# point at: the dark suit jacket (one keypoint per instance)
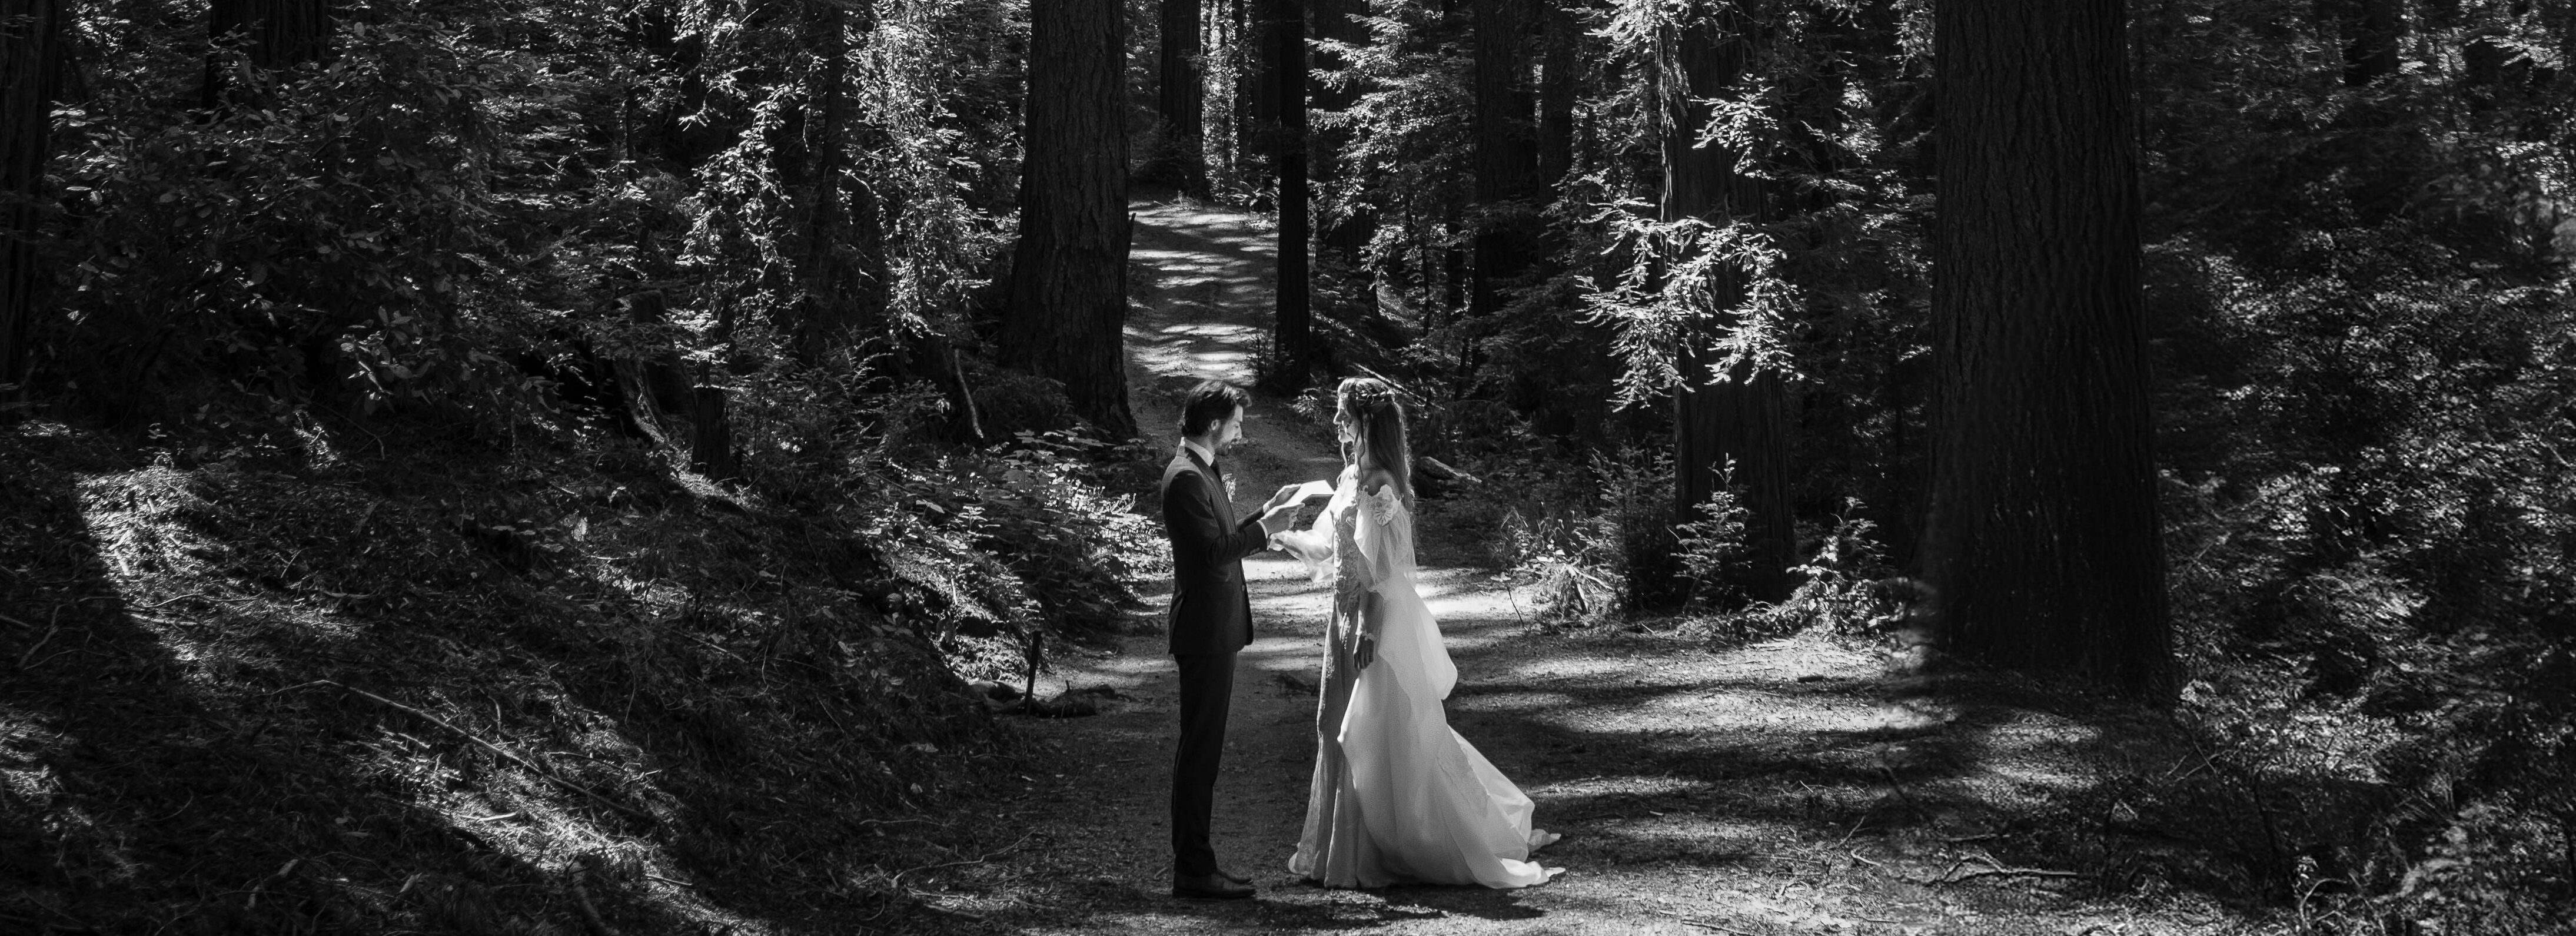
(1211, 611)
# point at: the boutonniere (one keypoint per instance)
(1229, 487)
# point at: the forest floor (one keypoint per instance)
(1798, 785)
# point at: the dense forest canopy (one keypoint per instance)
(2222, 354)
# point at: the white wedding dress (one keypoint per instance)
(1397, 796)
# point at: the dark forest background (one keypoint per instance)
(2217, 355)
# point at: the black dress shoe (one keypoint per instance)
(1209, 887)
(1231, 876)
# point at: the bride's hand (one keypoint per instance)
(1363, 653)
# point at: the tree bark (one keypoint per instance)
(1337, 20)
(1257, 96)
(2042, 535)
(827, 306)
(1182, 98)
(1067, 314)
(2371, 31)
(31, 60)
(1506, 155)
(1745, 417)
(1562, 38)
(275, 33)
(1292, 330)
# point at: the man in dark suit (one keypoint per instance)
(1211, 619)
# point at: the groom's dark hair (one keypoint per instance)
(1210, 403)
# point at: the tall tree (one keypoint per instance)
(1339, 21)
(1292, 330)
(1182, 98)
(2371, 31)
(1506, 141)
(1561, 43)
(826, 308)
(1741, 416)
(274, 34)
(1257, 91)
(31, 49)
(2042, 536)
(1067, 313)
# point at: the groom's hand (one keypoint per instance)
(1285, 494)
(1278, 517)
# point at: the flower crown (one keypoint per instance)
(1367, 395)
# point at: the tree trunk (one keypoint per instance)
(2042, 535)
(1292, 333)
(1338, 20)
(1182, 99)
(1257, 100)
(274, 33)
(1067, 315)
(1562, 36)
(1744, 418)
(826, 304)
(31, 58)
(2371, 31)
(1506, 151)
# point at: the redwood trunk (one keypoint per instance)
(1182, 98)
(1292, 336)
(2042, 538)
(1338, 20)
(1068, 308)
(1506, 157)
(31, 41)
(1745, 417)
(828, 290)
(1562, 36)
(1257, 95)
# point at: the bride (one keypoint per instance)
(1397, 796)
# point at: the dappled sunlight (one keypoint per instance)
(1789, 785)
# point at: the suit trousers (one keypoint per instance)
(1207, 693)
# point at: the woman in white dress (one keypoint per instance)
(1397, 796)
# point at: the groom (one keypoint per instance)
(1211, 619)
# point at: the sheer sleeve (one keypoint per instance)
(1312, 546)
(1318, 545)
(1385, 542)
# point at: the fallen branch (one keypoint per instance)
(1703, 924)
(282, 872)
(2014, 872)
(589, 911)
(1953, 877)
(38, 645)
(196, 595)
(496, 749)
(895, 883)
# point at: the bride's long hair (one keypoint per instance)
(1369, 404)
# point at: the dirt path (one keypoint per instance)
(1785, 787)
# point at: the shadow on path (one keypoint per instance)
(1792, 786)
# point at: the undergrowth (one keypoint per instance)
(283, 681)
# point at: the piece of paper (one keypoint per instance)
(1314, 489)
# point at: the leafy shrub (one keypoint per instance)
(342, 237)
(1601, 547)
(1714, 555)
(1013, 403)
